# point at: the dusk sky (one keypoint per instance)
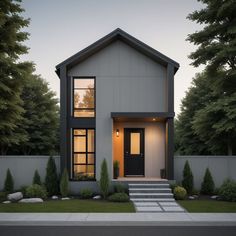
(60, 28)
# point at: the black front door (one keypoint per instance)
(134, 152)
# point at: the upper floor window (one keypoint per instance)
(84, 97)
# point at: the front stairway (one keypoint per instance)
(153, 196)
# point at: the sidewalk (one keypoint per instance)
(118, 219)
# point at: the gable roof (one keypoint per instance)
(117, 34)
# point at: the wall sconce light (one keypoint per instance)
(117, 132)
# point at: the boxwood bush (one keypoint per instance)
(86, 193)
(120, 188)
(118, 197)
(228, 190)
(36, 190)
(180, 193)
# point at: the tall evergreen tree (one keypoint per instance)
(187, 142)
(41, 117)
(11, 71)
(215, 124)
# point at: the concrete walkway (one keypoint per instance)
(118, 219)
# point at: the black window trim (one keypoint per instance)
(94, 153)
(79, 109)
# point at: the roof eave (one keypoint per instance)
(106, 40)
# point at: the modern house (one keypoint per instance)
(117, 103)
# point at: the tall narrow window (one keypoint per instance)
(84, 97)
(83, 154)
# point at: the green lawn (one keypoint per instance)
(74, 205)
(208, 206)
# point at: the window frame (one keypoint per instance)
(86, 153)
(73, 100)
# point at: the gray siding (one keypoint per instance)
(126, 81)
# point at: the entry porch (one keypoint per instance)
(143, 146)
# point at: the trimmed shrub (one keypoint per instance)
(86, 193)
(118, 197)
(187, 182)
(208, 185)
(180, 193)
(120, 188)
(104, 179)
(195, 192)
(23, 189)
(3, 196)
(116, 167)
(36, 178)
(51, 180)
(228, 190)
(173, 186)
(36, 190)
(9, 182)
(64, 184)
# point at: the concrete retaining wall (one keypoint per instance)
(23, 167)
(221, 167)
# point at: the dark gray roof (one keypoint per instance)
(117, 34)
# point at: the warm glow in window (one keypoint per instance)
(83, 154)
(135, 143)
(84, 97)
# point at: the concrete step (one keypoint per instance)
(151, 195)
(152, 199)
(149, 190)
(148, 182)
(148, 186)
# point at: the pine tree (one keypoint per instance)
(12, 73)
(36, 178)
(215, 124)
(64, 184)
(51, 180)
(9, 182)
(104, 179)
(208, 185)
(187, 178)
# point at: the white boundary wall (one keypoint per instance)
(23, 167)
(221, 167)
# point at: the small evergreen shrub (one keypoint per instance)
(208, 185)
(180, 193)
(195, 192)
(228, 191)
(36, 190)
(86, 193)
(172, 186)
(64, 184)
(51, 180)
(9, 182)
(23, 189)
(120, 188)
(118, 197)
(3, 196)
(36, 178)
(187, 182)
(104, 180)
